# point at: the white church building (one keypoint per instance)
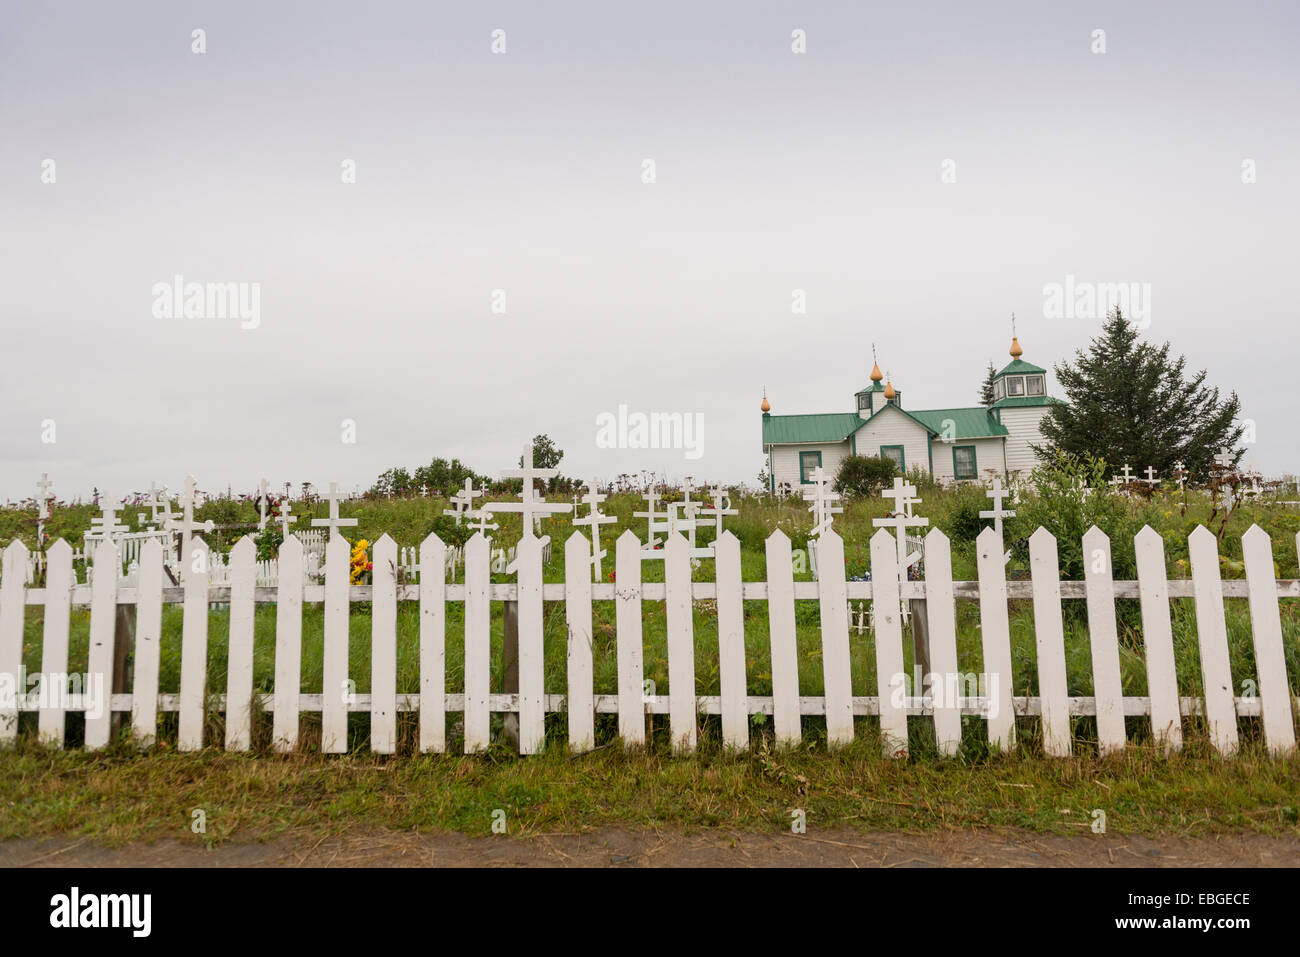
(951, 444)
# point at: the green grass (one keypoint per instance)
(117, 796)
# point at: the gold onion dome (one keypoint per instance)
(876, 374)
(1016, 351)
(767, 406)
(889, 390)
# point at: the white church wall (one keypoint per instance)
(785, 460)
(893, 428)
(1023, 425)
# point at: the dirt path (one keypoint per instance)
(626, 848)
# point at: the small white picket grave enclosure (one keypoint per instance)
(838, 707)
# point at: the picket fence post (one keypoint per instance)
(786, 713)
(334, 655)
(995, 641)
(1212, 635)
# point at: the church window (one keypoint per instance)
(1034, 385)
(895, 454)
(1016, 385)
(999, 391)
(808, 462)
(963, 462)
(864, 401)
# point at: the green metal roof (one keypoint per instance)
(871, 387)
(1021, 401)
(825, 427)
(1019, 367)
(973, 423)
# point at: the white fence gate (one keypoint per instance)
(837, 707)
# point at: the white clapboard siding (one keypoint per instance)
(785, 651)
(335, 689)
(13, 576)
(887, 623)
(194, 647)
(581, 703)
(383, 647)
(731, 643)
(478, 643)
(682, 720)
(1212, 635)
(54, 642)
(239, 658)
(1103, 638)
(1158, 641)
(995, 640)
(1049, 635)
(941, 619)
(833, 606)
(1266, 629)
(288, 647)
(99, 662)
(433, 645)
(627, 623)
(532, 688)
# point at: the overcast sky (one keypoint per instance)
(522, 171)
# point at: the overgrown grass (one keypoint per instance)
(118, 796)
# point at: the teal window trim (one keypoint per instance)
(902, 457)
(802, 480)
(853, 444)
(974, 461)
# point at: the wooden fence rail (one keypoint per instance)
(944, 700)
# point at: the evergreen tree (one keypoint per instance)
(1131, 402)
(986, 388)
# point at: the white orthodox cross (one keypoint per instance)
(482, 516)
(904, 497)
(721, 507)
(997, 493)
(653, 522)
(186, 525)
(462, 501)
(595, 519)
(333, 523)
(106, 525)
(683, 515)
(1128, 474)
(1151, 477)
(823, 508)
(43, 501)
(261, 506)
(287, 517)
(155, 503)
(1180, 470)
(1224, 458)
(531, 507)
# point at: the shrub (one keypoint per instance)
(1059, 505)
(963, 522)
(861, 476)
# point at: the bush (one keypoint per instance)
(963, 522)
(1059, 505)
(861, 476)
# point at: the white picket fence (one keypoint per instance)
(837, 707)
